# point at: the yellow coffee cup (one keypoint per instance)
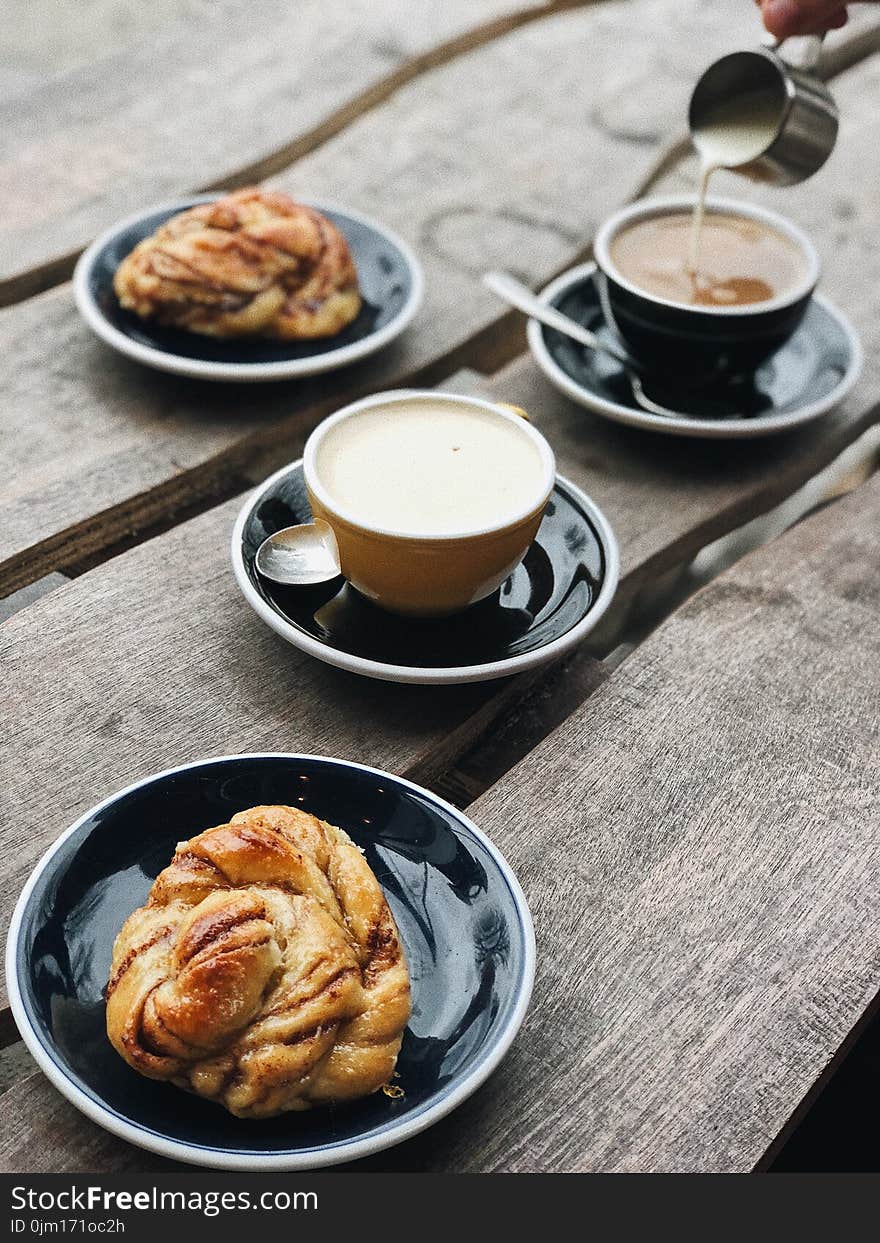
(419, 530)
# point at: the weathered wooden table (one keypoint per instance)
(695, 817)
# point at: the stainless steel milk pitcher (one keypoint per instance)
(806, 127)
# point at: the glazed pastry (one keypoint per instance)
(254, 263)
(265, 971)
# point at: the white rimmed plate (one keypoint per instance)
(389, 274)
(463, 919)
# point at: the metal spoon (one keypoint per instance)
(301, 556)
(520, 296)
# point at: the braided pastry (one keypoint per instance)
(265, 971)
(254, 263)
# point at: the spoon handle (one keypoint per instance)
(512, 291)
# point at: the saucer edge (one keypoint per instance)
(427, 676)
(707, 429)
(291, 1160)
(201, 369)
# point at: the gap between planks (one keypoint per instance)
(478, 755)
(763, 579)
(526, 710)
(56, 271)
(104, 535)
(461, 774)
(818, 1088)
(475, 754)
(101, 536)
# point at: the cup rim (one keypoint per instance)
(399, 396)
(645, 209)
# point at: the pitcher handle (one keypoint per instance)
(812, 51)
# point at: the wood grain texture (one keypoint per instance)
(27, 595)
(16, 1064)
(75, 1145)
(698, 845)
(210, 95)
(506, 156)
(136, 702)
(137, 666)
(40, 38)
(668, 498)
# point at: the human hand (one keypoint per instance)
(784, 18)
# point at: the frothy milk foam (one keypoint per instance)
(430, 467)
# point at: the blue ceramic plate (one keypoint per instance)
(803, 380)
(462, 916)
(389, 275)
(551, 601)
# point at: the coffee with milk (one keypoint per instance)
(715, 259)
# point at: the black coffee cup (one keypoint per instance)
(700, 344)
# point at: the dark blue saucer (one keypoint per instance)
(389, 276)
(806, 377)
(553, 598)
(463, 919)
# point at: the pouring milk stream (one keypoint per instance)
(731, 134)
(759, 114)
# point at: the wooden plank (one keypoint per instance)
(136, 702)
(27, 595)
(699, 495)
(579, 415)
(667, 499)
(150, 668)
(697, 845)
(16, 1064)
(97, 445)
(76, 1146)
(40, 38)
(665, 505)
(215, 94)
